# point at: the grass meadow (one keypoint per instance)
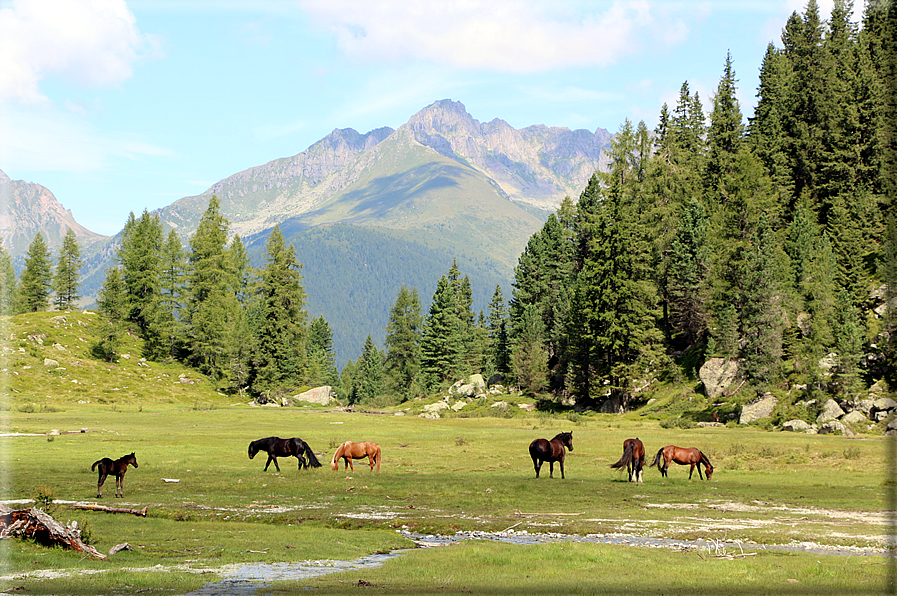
(464, 473)
(440, 477)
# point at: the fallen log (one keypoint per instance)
(92, 507)
(34, 523)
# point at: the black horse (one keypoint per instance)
(543, 450)
(118, 468)
(276, 447)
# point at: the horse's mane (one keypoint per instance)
(704, 460)
(562, 435)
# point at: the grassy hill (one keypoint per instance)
(47, 363)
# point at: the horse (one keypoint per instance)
(349, 451)
(276, 447)
(683, 456)
(118, 467)
(633, 458)
(543, 450)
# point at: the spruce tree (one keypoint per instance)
(368, 374)
(36, 278)
(442, 339)
(68, 273)
(403, 339)
(171, 292)
(686, 276)
(497, 325)
(320, 351)
(280, 350)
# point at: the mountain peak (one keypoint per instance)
(443, 115)
(4, 177)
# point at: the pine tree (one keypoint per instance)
(724, 138)
(36, 278)
(403, 338)
(280, 350)
(7, 282)
(68, 272)
(368, 374)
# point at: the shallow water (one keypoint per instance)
(244, 580)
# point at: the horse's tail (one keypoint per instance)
(312, 460)
(377, 457)
(657, 460)
(334, 463)
(93, 468)
(626, 459)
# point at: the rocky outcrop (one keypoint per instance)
(830, 411)
(799, 426)
(473, 386)
(717, 374)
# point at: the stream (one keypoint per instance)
(245, 579)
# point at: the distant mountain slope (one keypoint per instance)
(352, 277)
(26, 209)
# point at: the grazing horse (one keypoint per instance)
(276, 447)
(633, 458)
(349, 451)
(118, 467)
(543, 450)
(683, 456)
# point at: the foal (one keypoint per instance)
(117, 467)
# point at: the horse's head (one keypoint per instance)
(566, 439)
(252, 450)
(708, 470)
(132, 459)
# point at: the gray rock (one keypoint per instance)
(474, 385)
(884, 404)
(827, 363)
(798, 426)
(855, 417)
(830, 411)
(863, 405)
(322, 395)
(50, 362)
(758, 409)
(717, 374)
(892, 425)
(611, 406)
(835, 426)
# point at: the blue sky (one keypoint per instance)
(120, 106)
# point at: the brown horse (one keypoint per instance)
(683, 456)
(349, 451)
(543, 450)
(633, 458)
(117, 467)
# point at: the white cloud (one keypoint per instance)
(504, 35)
(87, 42)
(43, 138)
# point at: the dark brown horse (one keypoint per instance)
(349, 451)
(633, 458)
(276, 447)
(118, 468)
(543, 450)
(683, 456)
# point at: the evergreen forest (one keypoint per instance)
(767, 241)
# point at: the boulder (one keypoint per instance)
(495, 379)
(855, 417)
(50, 362)
(474, 385)
(322, 395)
(863, 406)
(835, 426)
(827, 363)
(883, 404)
(611, 406)
(830, 411)
(717, 374)
(892, 425)
(435, 407)
(758, 409)
(799, 426)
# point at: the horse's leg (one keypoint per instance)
(536, 465)
(120, 485)
(701, 476)
(100, 481)
(550, 469)
(692, 471)
(561, 463)
(275, 463)
(268, 463)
